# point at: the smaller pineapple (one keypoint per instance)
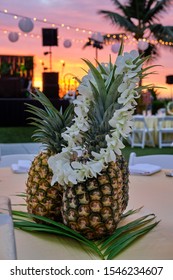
(42, 198)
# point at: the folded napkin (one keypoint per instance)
(22, 166)
(144, 169)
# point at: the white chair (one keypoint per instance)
(165, 127)
(8, 160)
(164, 161)
(141, 134)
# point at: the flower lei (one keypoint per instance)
(69, 171)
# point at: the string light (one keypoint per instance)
(37, 36)
(128, 40)
(83, 30)
(168, 42)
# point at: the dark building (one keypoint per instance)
(15, 74)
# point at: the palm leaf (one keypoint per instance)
(50, 226)
(124, 229)
(128, 239)
(152, 12)
(107, 248)
(131, 212)
(119, 20)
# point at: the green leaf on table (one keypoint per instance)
(20, 220)
(107, 248)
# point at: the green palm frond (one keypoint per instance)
(161, 32)
(121, 21)
(145, 10)
(154, 8)
(106, 249)
(133, 9)
(23, 220)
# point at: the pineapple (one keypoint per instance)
(82, 178)
(95, 174)
(94, 207)
(42, 198)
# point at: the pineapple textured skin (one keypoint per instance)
(94, 207)
(43, 199)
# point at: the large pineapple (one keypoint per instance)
(94, 207)
(91, 168)
(42, 198)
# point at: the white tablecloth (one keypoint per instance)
(154, 193)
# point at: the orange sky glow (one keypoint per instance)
(76, 20)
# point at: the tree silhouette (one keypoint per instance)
(142, 19)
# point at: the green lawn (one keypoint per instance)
(24, 135)
(146, 151)
(16, 134)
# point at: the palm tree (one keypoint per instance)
(141, 18)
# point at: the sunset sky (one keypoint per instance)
(69, 16)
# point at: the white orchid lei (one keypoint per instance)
(68, 171)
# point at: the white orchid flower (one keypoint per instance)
(69, 170)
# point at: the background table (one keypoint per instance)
(154, 193)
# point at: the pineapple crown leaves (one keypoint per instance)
(49, 121)
(107, 84)
(103, 117)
